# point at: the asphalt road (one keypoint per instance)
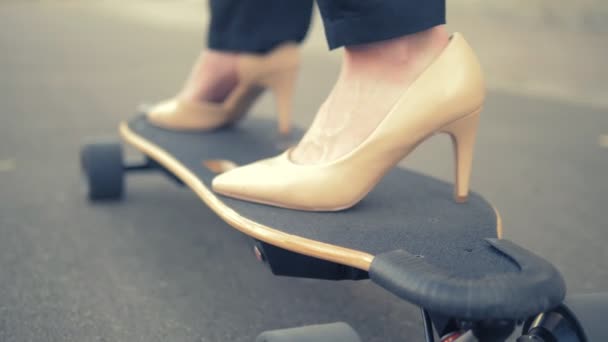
(160, 266)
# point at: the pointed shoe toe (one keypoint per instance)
(246, 182)
(279, 182)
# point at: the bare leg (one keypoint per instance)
(238, 26)
(372, 78)
(212, 78)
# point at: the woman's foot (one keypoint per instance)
(212, 78)
(376, 115)
(223, 86)
(372, 78)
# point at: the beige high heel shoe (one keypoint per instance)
(447, 97)
(276, 70)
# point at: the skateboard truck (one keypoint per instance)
(579, 318)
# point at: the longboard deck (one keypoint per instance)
(408, 234)
(407, 210)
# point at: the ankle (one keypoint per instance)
(213, 77)
(397, 58)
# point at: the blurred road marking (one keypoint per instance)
(7, 165)
(603, 140)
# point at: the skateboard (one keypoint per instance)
(408, 235)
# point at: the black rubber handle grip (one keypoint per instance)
(537, 287)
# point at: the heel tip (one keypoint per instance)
(461, 199)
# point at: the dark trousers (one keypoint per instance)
(260, 25)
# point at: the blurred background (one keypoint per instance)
(160, 266)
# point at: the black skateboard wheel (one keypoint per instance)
(102, 164)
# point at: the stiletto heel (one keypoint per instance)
(463, 132)
(282, 85)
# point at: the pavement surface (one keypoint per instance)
(160, 266)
